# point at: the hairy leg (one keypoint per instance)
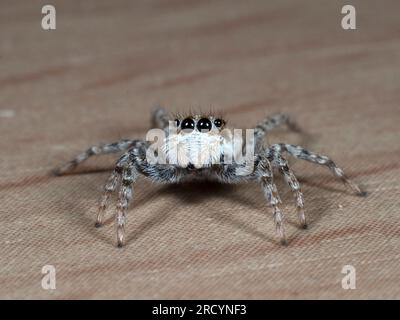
(301, 153)
(110, 186)
(278, 161)
(272, 122)
(130, 165)
(233, 173)
(129, 176)
(160, 118)
(95, 150)
(264, 173)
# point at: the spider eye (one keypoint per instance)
(177, 122)
(218, 122)
(204, 125)
(187, 125)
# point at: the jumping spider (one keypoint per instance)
(194, 133)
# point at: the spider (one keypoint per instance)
(195, 133)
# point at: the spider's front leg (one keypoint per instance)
(277, 160)
(129, 176)
(110, 186)
(127, 170)
(265, 176)
(124, 174)
(95, 150)
(301, 153)
(139, 165)
(232, 173)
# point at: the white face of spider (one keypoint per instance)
(196, 141)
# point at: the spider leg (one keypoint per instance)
(272, 122)
(127, 170)
(95, 150)
(129, 176)
(264, 172)
(280, 162)
(109, 188)
(160, 118)
(301, 153)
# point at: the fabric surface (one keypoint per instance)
(96, 78)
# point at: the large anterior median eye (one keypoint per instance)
(204, 125)
(187, 125)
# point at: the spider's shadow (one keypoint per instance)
(197, 192)
(189, 193)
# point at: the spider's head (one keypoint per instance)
(196, 141)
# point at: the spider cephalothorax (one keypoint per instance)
(200, 146)
(196, 141)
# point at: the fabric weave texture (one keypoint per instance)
(108, 63)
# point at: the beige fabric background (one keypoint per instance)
(96, 77)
